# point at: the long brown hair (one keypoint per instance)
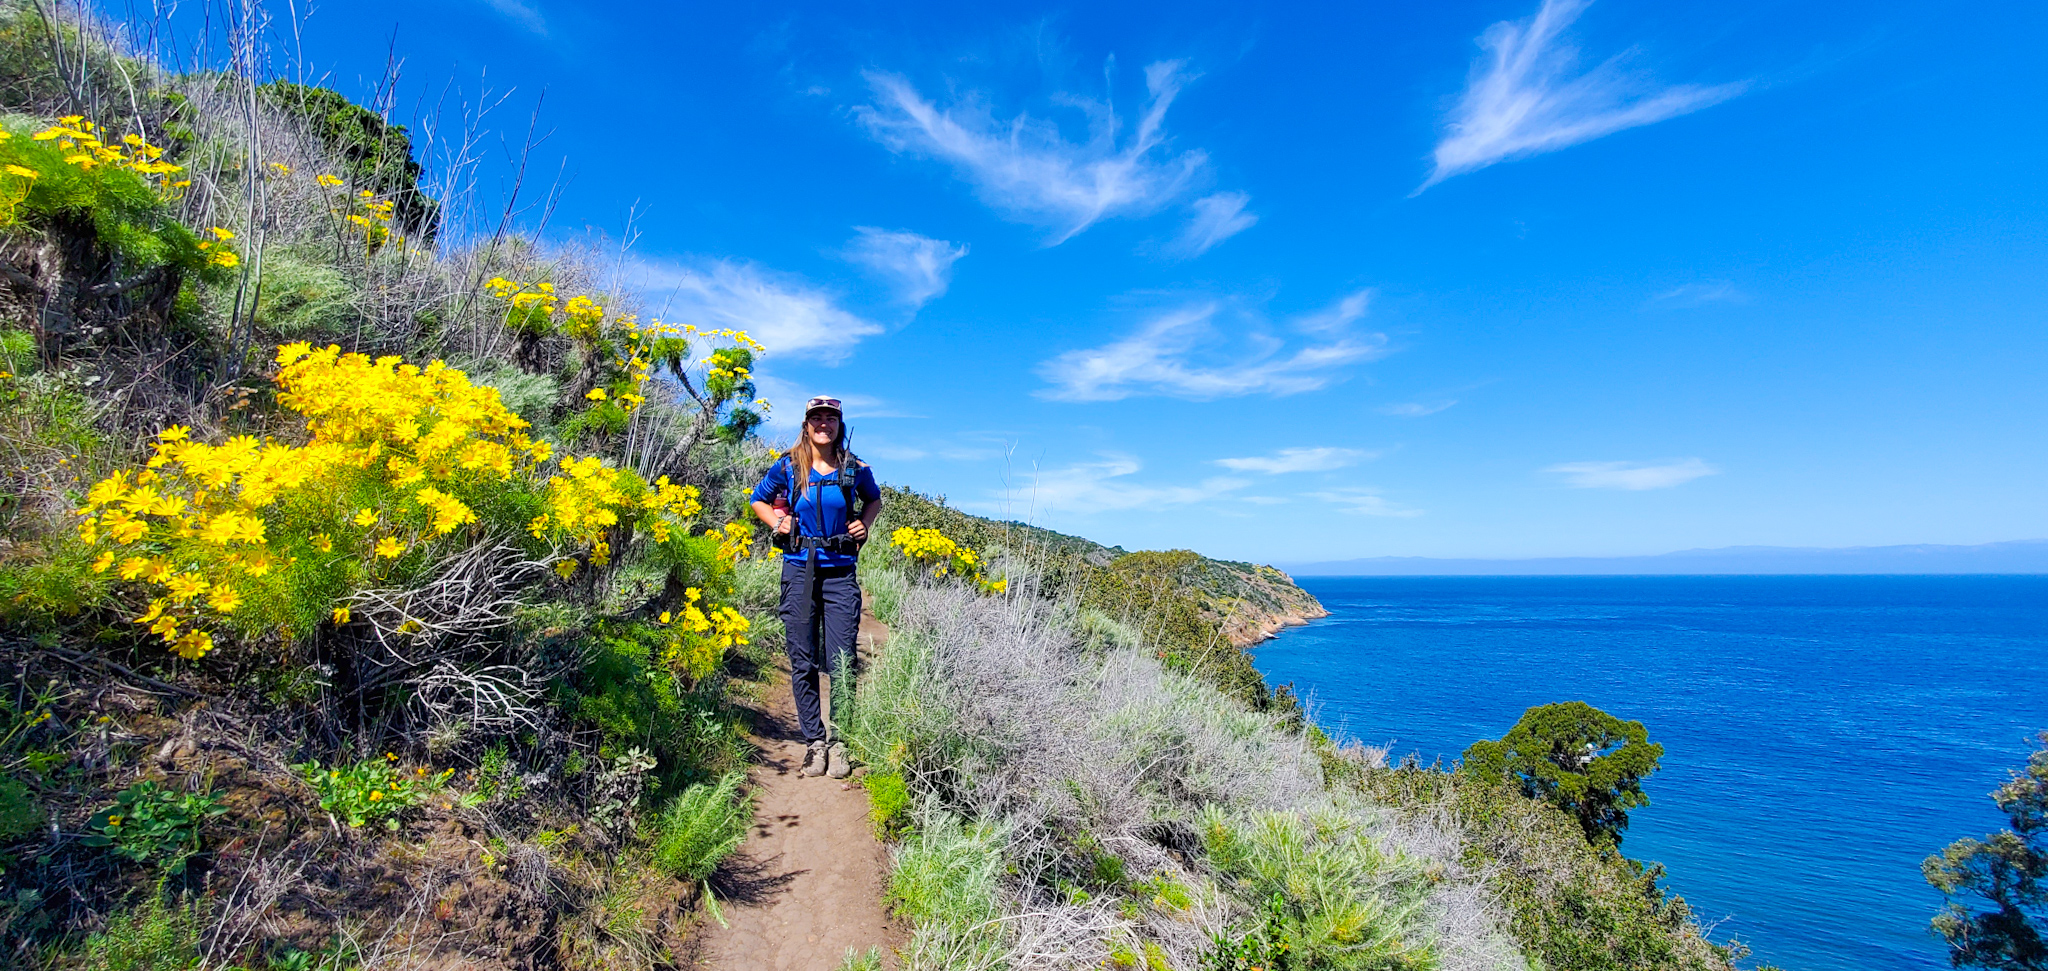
(804, 453)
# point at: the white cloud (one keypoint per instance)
(920, 267)
(784, 313)
(1217, 218)
(1416, 409)
(1364, 502)
(1162, 358)
(521, 14)
(1105, 486)
(1028, 168)
(1697, 294)
(1524, 99)
(1634, 476)
(1299, 460)
(1337, 316)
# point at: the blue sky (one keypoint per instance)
(1312, 282)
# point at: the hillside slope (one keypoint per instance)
(1198, 612)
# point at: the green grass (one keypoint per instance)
(156, 935)
(855, 961)
(1339, 901)
(888, 804)
(947, 882)
(700, 828)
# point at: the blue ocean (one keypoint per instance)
(1822, 734)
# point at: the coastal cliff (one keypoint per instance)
(1254, 602)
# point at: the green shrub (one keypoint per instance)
(19, 814)
(1569, 904)
(884, 587)
(149, 822)
(1343, 903)
(947, 882)
(303, 298)
(633, 701)
(871, 961)
(371, 790)
(156, 936)
(888, 804)
(700, 828)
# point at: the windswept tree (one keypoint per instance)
(2009, 871)
(1578, 758)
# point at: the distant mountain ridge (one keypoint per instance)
(2015, 556)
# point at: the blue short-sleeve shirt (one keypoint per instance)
(821, 511)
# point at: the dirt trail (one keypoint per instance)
(807, 885)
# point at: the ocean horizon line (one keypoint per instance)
(2009, 557)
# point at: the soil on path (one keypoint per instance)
(807, 884)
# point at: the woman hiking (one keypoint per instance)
(807, 498)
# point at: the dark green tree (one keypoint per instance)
(379, 153)
(1578, 758)
(2008, 870)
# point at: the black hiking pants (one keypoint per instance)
(822, 645)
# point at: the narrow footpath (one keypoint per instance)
(807, 885)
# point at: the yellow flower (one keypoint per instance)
(367, 517)
(389, 547)
(565, 569)
(185, 586)
(115, 820)
(224, 599)
(323, 543)
(133, 566)
(596, 394)
(221, 234)
(340, 616)
(24, 172)
(327, 180)
(376, 796)
(105, 560)
(193, 645)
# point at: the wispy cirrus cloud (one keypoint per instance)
(1416, 409)
(1524, 97)
(1699, 294)
(920, 268)
(1217, 218)
(1632, 476)
(783, 312)
(1028, 169)
(1105, 485)
(1177, 353)
(522, 14)
(1364, 502)
(1299, 460)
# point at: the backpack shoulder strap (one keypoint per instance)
(849, 472)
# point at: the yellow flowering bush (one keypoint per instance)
(84, 146)
(941, 556)
(735, 542)
(628, 350)
(121, 186)
(260, 534)
(700, 636)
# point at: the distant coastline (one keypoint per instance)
(2016, 556)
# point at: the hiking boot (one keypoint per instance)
(841, 765)
(814, 760)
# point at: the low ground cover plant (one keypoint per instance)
(372, 790)
(150, 823)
